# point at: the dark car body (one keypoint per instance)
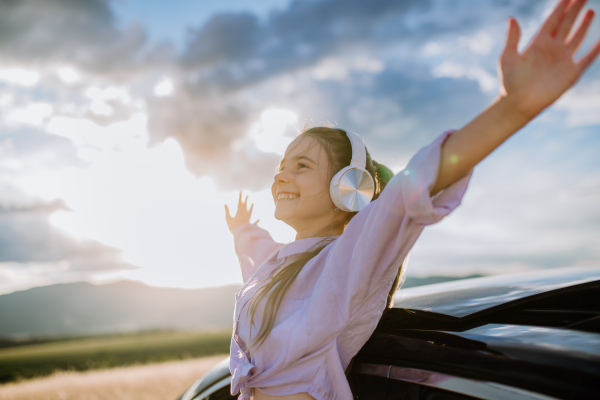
(533, 335)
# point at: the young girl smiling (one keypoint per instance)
(307, 307)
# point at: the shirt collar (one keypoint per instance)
(302, 245)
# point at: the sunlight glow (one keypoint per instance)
(144, 201)
(166, 221)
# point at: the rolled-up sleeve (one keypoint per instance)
(365, 258)
(253, 245)
(415, 182)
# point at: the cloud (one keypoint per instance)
(207, 129)
(582, 105)
(327, 53)
(26, 234)
(233, 50)
(78, 89)
(73, 32)
(524, 210)
(34, 252)
(322, 59)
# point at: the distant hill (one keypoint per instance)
(81, 308)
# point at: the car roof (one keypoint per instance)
(551, 339)
(468, 296)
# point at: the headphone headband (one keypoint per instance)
(359, 152)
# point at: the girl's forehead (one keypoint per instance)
(303, 145)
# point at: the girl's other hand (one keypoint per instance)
(241, 217)
(537, 77)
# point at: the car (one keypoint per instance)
(524, 336)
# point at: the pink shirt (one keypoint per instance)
(336, 301)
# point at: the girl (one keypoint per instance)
(307, 307)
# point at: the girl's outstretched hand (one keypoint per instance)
(241, 217)
(537, 77)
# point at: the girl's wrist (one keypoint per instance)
(514, 110)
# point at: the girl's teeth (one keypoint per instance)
(287, 196)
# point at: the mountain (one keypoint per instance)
(81, 308)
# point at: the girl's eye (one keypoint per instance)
(302, 165)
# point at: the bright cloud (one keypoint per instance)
(487, 82)
(33, 114)
(268, 133)
(19, 76)
(163, 88)
(68, 75)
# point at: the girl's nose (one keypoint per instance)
(281, 177)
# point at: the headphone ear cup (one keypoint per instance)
(352, 189)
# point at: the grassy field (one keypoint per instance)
(40, 359)
(163, 381)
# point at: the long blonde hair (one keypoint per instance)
(339, 151)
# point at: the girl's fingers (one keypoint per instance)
(569, 19)
(586, 60)
(574, 42)
(553, 20)
(251, 208)
(240, 199)
(512, 39)
(227, 213)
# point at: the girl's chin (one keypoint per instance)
(283, 213)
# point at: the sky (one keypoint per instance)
(126, 125)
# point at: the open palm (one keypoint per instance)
(546, 69)
(242, 215)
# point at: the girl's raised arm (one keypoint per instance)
(531, 81)
(252, 244)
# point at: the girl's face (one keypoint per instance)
(301, 189)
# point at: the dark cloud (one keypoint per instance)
(207, 129)
(230, 60)
(75, 32)
(398, 112)
(234, 49)
(27, 236)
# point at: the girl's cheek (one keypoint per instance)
(274, 191)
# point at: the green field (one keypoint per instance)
(38, 359)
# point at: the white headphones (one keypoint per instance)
(352, 188)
